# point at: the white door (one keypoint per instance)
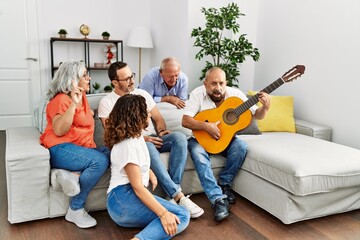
(20, 81)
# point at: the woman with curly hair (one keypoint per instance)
(129, 202)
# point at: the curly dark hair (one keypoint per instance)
(127, 119)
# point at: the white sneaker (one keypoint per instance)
(80, 217)
(69, 182)
(195, 210)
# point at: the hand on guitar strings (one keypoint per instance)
(264, 99)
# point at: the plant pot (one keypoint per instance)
(106, 38)
(62, 35)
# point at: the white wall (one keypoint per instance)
(169, 28)
(248, 25)
(170, 23)
(324, 36)
(116, 17)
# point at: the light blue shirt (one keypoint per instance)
(154, 84)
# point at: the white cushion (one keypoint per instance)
(301, 164)
(173, 118)
(40, 115)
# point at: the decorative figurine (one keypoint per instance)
(110, 51)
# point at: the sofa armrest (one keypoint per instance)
(313, 129)
(27, 165)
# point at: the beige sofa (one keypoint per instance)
(294, 176)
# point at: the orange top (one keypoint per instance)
(81, 131)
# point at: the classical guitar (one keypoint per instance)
(234, 115)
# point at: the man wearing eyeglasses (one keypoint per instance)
(158, 138)
(167, 83)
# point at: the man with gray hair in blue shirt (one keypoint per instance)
(167, 83)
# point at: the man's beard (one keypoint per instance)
(215, 98)
(127, 89)
(131, 87)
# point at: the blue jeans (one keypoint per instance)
(90, 162)
(169, 180)
(235, 155)
(127, 210)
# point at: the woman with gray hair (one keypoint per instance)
(69, 137)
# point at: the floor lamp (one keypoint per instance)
(140, 38)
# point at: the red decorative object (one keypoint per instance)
(110, 51)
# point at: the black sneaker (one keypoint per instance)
(228, 192)
(221, 208)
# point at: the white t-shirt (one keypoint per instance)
(200, 101)
(108, 102)
(132, 150)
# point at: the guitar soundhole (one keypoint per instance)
(230, 117)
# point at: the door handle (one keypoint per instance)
(33, 59)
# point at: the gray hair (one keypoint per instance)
(169, 61)
(62, 80)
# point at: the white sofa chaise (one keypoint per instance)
(294, 176)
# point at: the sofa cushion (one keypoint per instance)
(98, 130)
(173, 118)
(27, 175)
(94, 99)
(280, 117)
(40, 114)
(251, 129)
(301, 164)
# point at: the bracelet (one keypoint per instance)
(163, 214)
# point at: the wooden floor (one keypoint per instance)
(247, 221)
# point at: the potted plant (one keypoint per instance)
(96, 87)
(226, 53)
(108, 88)
(62, 33)
(105, 35)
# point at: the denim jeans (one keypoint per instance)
(169, 180)
(235, 155)
(91, 163)
(127, 210)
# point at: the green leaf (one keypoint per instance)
(214, 43)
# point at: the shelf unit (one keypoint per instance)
(87, 46)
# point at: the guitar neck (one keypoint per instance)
(255, 99)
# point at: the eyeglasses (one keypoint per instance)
(128, 79)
